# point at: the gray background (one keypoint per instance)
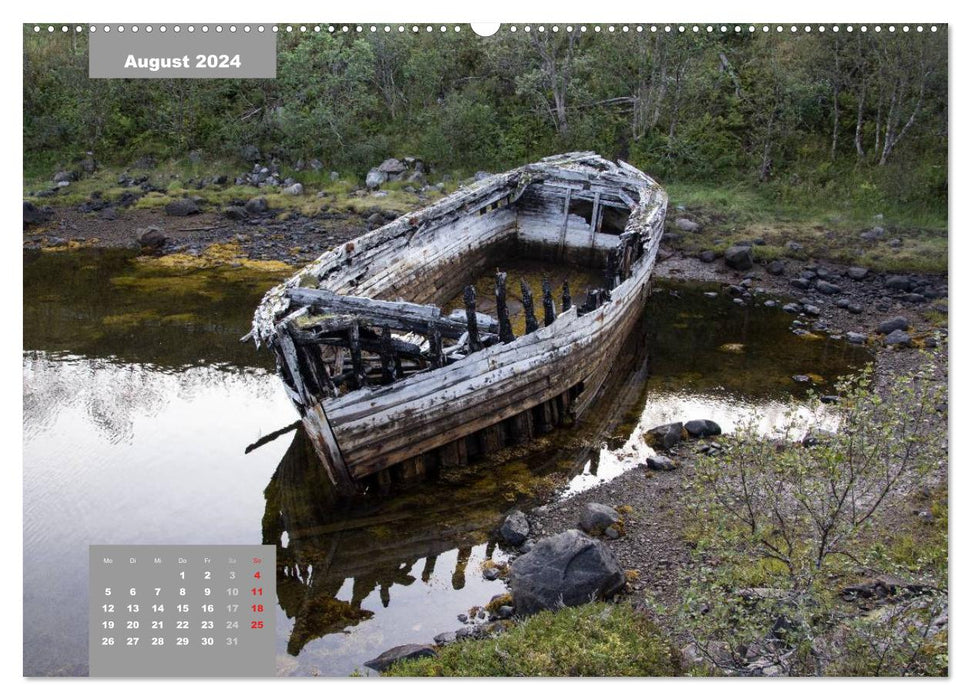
(253, 655)
(109, 50)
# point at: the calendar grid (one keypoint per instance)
(184, 611)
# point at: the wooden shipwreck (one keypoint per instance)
(388, 386)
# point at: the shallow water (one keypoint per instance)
(139, 402)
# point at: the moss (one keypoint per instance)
(598, 639)
(130, 319)
(732, 348)
(499, 601)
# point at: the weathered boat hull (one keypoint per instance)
(495, 395)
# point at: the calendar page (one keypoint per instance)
(358, 345)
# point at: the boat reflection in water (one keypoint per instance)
(397, 567)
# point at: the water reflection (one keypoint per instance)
(391, 569)
(119, 453)
(139, 402)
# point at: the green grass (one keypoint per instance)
(826, 227)
(343, 195)
(598, 639)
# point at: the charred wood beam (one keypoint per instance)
(549, 309)
(502, 310)
(531, 323)
(567, 299)
(435, 350)
(390, 364)
(354, 343)
(471, 320)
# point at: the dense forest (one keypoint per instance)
(796, 114)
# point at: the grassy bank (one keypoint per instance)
(598, 639)
(824, 225)
(801, 224)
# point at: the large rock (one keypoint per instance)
(257, 205)
(824, 287)
(182, 207)
(901, 283)
(63, 176)
(405, 651)
(294, 189)
(739, 257)
(664, 436)
(855, 338)
(687, 225)
(857, 273)
(151, 237)
(35, 215)
(898, 338)
(776, 267)
(595, 518)
(235, 213)
(702, 428)
(514, 528)
(897, 323)
(660, 463)
(392, 166)
(567, 569)
(375, 178)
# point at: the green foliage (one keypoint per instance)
(598, 639)
(760, 110)
(781, 528)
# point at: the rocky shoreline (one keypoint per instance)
(894, 315)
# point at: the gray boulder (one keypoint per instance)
(515, 528)
(567, 569)
(898, 338)
(375, 178)
(151, 237)
(400, 653)
(63, 176)
(664, 436)
(897, 323)
(824, 287)
(702, 428)
(855, 338)
(392, 166)
(182, 207)
(857, 273)
(595, 518)
(901, 283)
(294, 189)
(707, 256)
(776, 267)
(35, 215)
(687, 225)
(739, 257)
(235, 213)
(660, 463)
(257, 205)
